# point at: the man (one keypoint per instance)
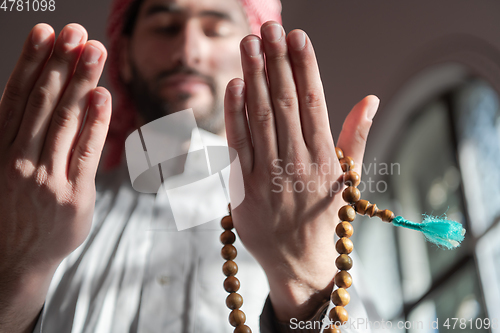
(170, 55)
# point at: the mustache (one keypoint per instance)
(187, 71)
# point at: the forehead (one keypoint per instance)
(233, 9)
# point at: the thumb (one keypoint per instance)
(352, 138)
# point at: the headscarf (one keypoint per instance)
(123, 120)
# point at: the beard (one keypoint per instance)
(152, 106)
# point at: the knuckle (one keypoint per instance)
(62, 55)
(30, 56)
(255, 73)
(41, 177)
(68, 199)
(40, 98)
(239, 143)
(255, 67)
(312, 99)
(305, 62)
(18, 168)
(233, 110)
(14, 92)
(277, 56)
(295, 160)
(63, 116)
(286, 100)
(84, 153)
(360, 136)
(276, 167)
(263, 114)
(83, 76)
(323, 153)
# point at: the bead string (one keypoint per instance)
(344, 246)
(234, 301)
(344, 230)
(343, 280)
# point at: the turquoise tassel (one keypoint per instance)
(442, 232)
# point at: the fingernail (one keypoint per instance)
(252, 47)
(99, 98)
(91, 55)
(298, 42)
(40, 36)
(237, 90)
(372, 109)
(273, 32)
(72, 36)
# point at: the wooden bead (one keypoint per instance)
(234, 301)
(339, 315)
(364, 207)
(242, 329)
(229, 268)
(231, 284)
(347, 163)
(227, 222)
(385, 215)
(332, 329)
(339, 152)
(237, 317)
(340, 297)
(351, 178)
(361, 206)
(351, 195)
(229, 252)
(344, 246)
(343, 279)
(227, 237)
(344, 229)
(372, 210)
(347, 213)
(343, 262)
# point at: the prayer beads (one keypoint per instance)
(234, 301)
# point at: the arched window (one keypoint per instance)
(443, 158)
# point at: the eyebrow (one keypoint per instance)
(157, 8)
(173, 8)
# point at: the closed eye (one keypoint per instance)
(171, 30)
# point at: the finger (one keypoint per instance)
(237, 132)
(282, 89)
(36, 50)
(88, 149)
(259, 106)
(312, 103)
(48, 90)
(352, 138)
(68, 114)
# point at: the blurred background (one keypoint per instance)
(434, 146)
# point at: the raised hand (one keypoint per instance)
(47, 166)
(277, 120)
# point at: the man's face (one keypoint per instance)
(182, 54)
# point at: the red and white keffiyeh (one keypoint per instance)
(124, 114)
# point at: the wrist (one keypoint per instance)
(311, 325)
(300, 296)
(299, 303)
(22, 295)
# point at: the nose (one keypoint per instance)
(190, 44)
